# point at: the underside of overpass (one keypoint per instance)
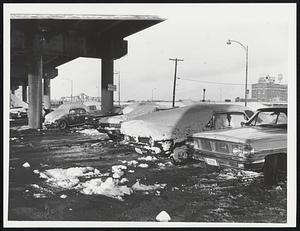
(40, 43)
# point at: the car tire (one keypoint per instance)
(212, 169)
(180, 155)
(63, 124)
(270, 170)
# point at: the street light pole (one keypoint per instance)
(246, 50)
(152, 94)
(174, 85)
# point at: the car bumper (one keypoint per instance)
(226, 162)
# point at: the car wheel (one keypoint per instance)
(63, 124)
(270, 170)
(180, 155)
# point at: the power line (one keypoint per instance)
(200, 81)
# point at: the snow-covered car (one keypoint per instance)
(166, 131)
(67, 115)
(260, 145)
(112, 124)
(17, 112)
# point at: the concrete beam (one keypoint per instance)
(24, 93)
(107, 77)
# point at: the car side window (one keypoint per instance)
(82, 111)
(210, 124)
(282, 118)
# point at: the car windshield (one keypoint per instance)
(270, 118)
(226, 120)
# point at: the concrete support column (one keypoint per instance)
(107, 77)
(47, 104)
(24, 93)
(35, 94)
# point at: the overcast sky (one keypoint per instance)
(196, 33)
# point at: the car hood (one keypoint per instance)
(174, 123)
(137, 110)
(258, 137)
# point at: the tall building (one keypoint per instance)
(268, 91)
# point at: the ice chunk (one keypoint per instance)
(118, 170)
(63, 196)
(138, 150)
(131, 171)
(36, 171)
(161, 164)
(143, 165)
(163, 216)
(26, 165)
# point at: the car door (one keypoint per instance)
(82, 113)
(73, 117)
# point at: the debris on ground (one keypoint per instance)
(26, 165)
(163, 216)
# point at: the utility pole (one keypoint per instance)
(174, 86)
(203, 95)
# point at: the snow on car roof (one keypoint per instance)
(63, 110)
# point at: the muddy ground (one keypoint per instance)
(190, 194)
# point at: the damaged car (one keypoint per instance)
(165, 132)
(260, 145)
(111, 124)
(67, 115)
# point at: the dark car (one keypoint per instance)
(166, 131)
(260, 145)
(67, 115)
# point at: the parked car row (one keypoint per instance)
(220, 135)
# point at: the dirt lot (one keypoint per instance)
(187, 193)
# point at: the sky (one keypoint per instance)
(196, 33)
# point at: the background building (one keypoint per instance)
(268, 91)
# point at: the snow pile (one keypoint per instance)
(148, 158)
(63, 196)
(90, 132)
(109, 188)
(118, 171)
(67, 178)
(141, 187)
(26, 165)
(228, 174)
(163, 216)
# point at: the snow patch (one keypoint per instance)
(109, 188)
(141, 187)
(67, 178)
(148, 158)
(90, 132)
(143, 165)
